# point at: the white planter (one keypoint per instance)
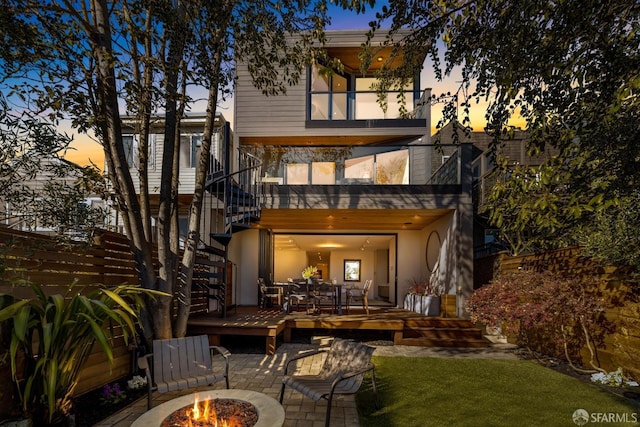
(431, 305)
(428, 305)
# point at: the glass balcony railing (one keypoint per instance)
(364, 105)
(409, 164)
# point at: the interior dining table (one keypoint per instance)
(338, 288)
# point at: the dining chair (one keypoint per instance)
(360, 295)
(296, 296)
(325, 294)
(269, 294)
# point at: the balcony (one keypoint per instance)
(364, 105)
(403, 164)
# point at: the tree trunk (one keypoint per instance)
(195, 215)
(109, 123)
(167, 255)
(216, 43)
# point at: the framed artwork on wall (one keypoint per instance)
(351, 270)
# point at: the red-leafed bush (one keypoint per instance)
(546, 312)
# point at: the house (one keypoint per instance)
(191, 129)
(343, 180)
(324, 176)
(45, 197)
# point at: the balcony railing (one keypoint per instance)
(364, 105)
(408, 164)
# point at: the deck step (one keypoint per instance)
(439, 333)
(444, 342)
(437, 322)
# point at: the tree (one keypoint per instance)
(88, 56)
(569, 69)
(31, 147)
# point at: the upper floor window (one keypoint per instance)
(196, 142)
(131, 145)
(352, 97)
(329, 95)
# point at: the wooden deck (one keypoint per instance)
(406, 327)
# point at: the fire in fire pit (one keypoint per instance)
(213, 413)
(270, 412)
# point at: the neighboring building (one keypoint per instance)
(52, 189)
(513, 147)
(336, 168)
(191, 129)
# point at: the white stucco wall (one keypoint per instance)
(243, 252)
(412, 253)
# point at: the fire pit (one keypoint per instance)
(270, 412)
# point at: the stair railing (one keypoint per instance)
(236, 197)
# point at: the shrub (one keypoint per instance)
(556, 315)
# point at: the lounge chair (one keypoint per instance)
(343, 372)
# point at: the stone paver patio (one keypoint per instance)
(263, 373)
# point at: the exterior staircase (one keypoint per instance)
(234, 200)
(442, 332)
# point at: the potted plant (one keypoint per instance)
(52, 337)
(309, 273)
(423, 297)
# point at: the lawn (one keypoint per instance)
(425, 392)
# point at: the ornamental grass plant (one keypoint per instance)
(52, 337)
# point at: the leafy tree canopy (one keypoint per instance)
(90, 61)
(30, 148)
(570, 69)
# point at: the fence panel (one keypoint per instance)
(35, 258)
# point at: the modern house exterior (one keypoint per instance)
(324, 176)
(344, 180)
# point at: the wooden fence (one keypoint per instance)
(622, 348)
(53, 265)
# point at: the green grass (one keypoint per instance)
(425, 392)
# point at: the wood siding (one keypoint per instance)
(258, 115)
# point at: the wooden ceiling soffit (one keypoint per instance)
(349, 219)
(350, 58)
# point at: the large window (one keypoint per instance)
(332, 97)
(329, 95)
(383, 168)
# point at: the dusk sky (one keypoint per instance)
(86, 150)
